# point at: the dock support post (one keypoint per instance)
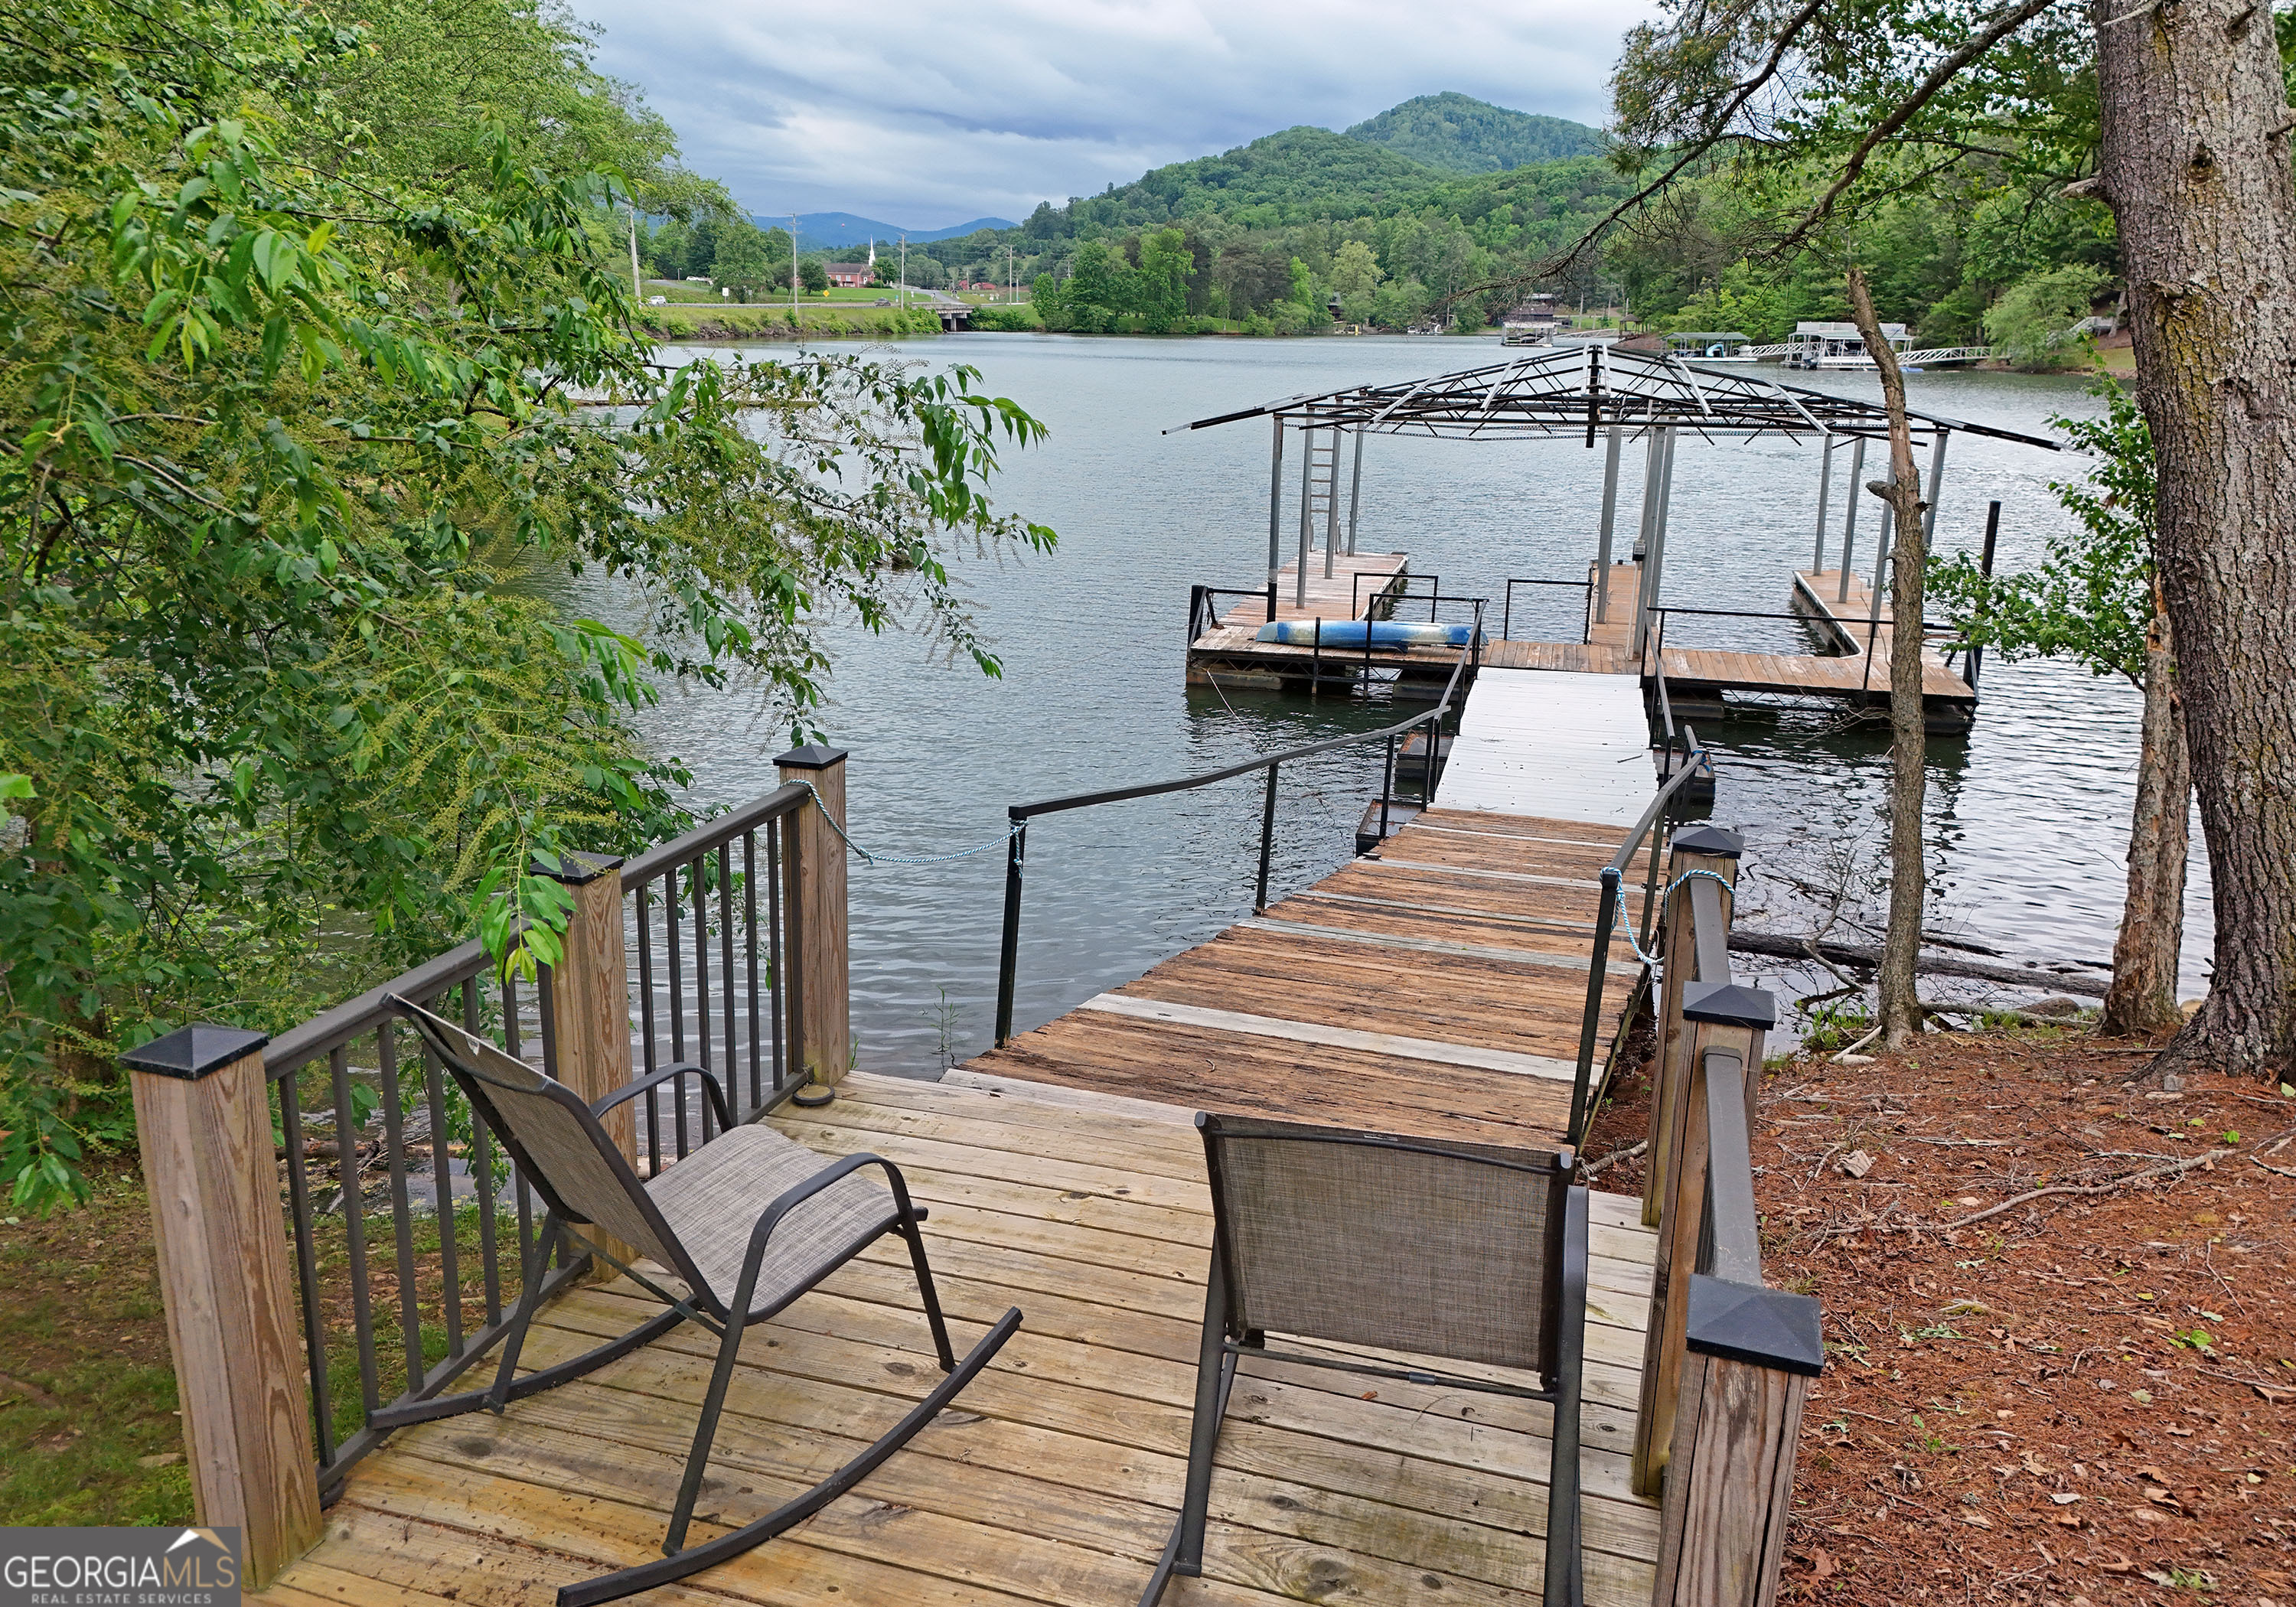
(1008, 960)
(813, 876)
(1652, 450)
(203, 1121)
(1654, 550)
(1307, 515)
(1850, 515)
(1355, 494)
(1936, 481)
(1268, 843)
(1824, 487)
(1971, 666)
(1275, 515)
(1603, 535)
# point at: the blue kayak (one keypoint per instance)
(1349, 632)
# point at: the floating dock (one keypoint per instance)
(1700, 680)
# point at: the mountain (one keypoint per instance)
(1462, 134)
(1278, 178)
(835, 231)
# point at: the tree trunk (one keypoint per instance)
(2195, 163)
(1901, 1011)
(2142, 998)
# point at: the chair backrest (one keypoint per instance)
(559, 1146)
(1438, 1250)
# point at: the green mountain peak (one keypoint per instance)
(1462, 134)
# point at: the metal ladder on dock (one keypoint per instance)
(1320, 512)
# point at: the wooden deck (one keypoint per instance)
(1696, 673)
(1232, 653)
(1437, 990)
(1056, 1478)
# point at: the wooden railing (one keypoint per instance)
(739, 929)
(1727, 1360)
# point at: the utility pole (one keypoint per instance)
(905, 273)
(637, 284)
(796, 320)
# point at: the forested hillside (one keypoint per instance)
(1462, 134)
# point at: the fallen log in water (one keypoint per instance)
(1785, 946)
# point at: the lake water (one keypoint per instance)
(2028, 814)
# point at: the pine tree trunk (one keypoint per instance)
(2143, 999)
(2196, 164)
(1901, 1012)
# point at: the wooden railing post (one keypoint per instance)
(590, 1011)
(813, 882)
(1698, 848)
(1729, 1479)
(203, 1121)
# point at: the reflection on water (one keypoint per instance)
(2028, 812)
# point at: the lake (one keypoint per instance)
(2028, 814)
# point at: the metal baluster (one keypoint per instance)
(725, 976)
(520, 1191)
(676, 977)
(306, 1267)
(646, 1028)
(402, 1219)
(442, 1187)
(339, 1077)
(546, 1014)
(482, 1173)
(749, 948)
(778, 998)
(698, 891)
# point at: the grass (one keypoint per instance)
(89, 1422)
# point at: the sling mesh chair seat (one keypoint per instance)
(747, 1223)
(1462, 1252)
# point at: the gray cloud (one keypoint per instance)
(931, 114)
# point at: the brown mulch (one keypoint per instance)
(2077, 1401)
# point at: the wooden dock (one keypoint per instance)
(1229, 652)
(1056, 1478)
(1701, 676)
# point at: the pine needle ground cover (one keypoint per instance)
(2073, 1399)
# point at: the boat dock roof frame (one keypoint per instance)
(1556, 391)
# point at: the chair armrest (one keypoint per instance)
(790, 1199)
(654, 1079)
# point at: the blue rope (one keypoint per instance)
(869, 858)
(1627, 921)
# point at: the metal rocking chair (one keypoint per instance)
(747, 1223)
(1452, 1250)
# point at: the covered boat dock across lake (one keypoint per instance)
(1593, 396)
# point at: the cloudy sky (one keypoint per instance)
(925, 115)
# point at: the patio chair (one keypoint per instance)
(747, 1223)
(1457, 1251)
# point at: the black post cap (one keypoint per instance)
(1746, 1323)
(813, 756)
(1728, 1004)
(578, 869)
(1710, 839)
(191, 1052)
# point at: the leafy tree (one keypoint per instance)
(2033, 323)
(280, 440)
(814, 276)
(2097, 601)
(1166, 266)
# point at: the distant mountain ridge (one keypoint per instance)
(1462, 134)
(837, 231)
